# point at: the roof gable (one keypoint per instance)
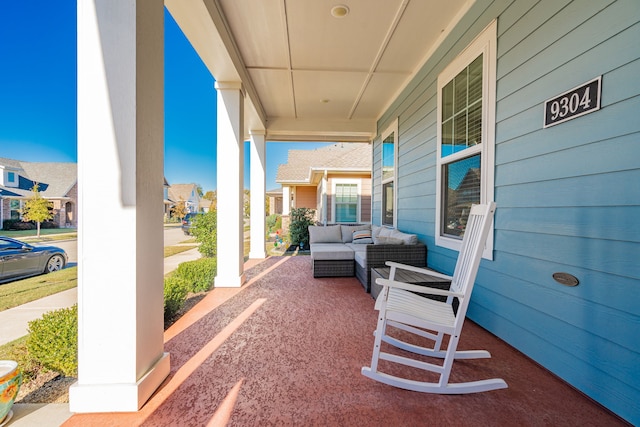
(353, 157)
(54, 179)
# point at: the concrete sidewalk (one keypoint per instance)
(14, 321)
(14, 324)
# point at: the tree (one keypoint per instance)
(180, 209)
(37, 208)
(213, 196)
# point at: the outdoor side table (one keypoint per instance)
(409, 277)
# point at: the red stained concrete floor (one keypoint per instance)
(286, 349)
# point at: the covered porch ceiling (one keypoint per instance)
(308, 73)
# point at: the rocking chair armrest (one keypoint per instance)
(417, 288)
(419, 270)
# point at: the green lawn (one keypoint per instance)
(23, 291)
(172, 250)
(46, 234)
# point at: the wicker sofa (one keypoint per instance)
(353, 250)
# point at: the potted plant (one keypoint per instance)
(10, 381)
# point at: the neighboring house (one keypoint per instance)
(335, 181)
(205, 205)
(186, 192)
(275, 201)
(57, 182)
(167, 202)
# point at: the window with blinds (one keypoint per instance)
(346, 202)
(461, 129)
(466, 134)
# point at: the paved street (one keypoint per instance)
(13, 322)
(172, 236)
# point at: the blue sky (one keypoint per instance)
(38, 96)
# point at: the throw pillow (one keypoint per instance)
(347, 231)
(362, 237)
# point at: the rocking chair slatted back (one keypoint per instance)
(473, 243)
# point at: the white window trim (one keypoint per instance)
(485, 44)
(392, 128)
(336, 181)
(11, 183)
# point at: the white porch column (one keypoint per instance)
(286, 200)
(258, 194)
(230, 169)
(120, 175)
(325, 184)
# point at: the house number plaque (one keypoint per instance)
(574, 103)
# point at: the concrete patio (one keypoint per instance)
(286, 349)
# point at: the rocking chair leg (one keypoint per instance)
(382, 324)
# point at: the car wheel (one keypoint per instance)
(55, 263)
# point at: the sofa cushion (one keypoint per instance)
(389, 241)
(347, 231)
(327, 251)
(320, 234)
(408, 239)
(392, 236)
(362, 237)
(380, 231)
(361, 258)
(375, 231)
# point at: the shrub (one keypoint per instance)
(8, 223)
(301, 219)
(204, 230)
(53, 340)
(20, 225)
(17, 350)
(198, 274)
(175, 293)
(274, 222)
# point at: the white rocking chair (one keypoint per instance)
(400, 306)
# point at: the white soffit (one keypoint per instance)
(313, 76)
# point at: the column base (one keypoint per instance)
(118, 397)
(257, 255)
(228, 281)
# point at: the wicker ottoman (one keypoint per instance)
(332, 260)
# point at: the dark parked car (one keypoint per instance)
(19, 259)
(187, 221)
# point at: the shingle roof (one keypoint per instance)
(54, 179)
(345, 157)
(179, 192)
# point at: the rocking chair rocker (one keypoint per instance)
(403, 306)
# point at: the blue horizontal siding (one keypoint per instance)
(575, 133)
(610, 256)
(568, 196)
(596, 382)
(600, 288)
(570, 222)
(610, 189)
